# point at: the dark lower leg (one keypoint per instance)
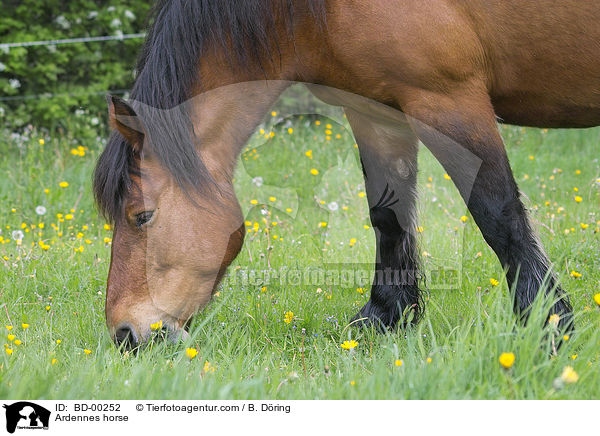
(463, 135)
(389, 164)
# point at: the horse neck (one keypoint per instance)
(224, 119)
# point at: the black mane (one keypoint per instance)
(180, 33)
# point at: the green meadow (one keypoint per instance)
(269, 335)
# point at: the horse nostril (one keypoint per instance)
(125, 336)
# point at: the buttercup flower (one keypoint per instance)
(554, 319)
(569, 375)
(191, 352)
(156, 326)
(507, 360)
(347, 345)
(288, 317)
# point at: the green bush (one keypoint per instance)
(48, 86)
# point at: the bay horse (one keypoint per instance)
(452, 68)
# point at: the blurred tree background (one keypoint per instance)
(47, 86)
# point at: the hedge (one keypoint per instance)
(46, 85)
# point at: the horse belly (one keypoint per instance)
(538, 111)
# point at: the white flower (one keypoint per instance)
(2, 66)
(92, 15)
(111, 9)
(1, 111)
(119, 34)
(264, 211)
(14, 83)
(258, 181)
(51, 48)
(598, 181)
(40, 210)
(62, 22)
(130, 15)
(115, 23)
(95, 121)
(333, 206)
(17, 235)
(79, 112)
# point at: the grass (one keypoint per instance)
(246, 349)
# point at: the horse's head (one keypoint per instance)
(170, 246)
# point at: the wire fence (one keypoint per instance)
(82, 40)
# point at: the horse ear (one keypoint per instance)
(123, 118)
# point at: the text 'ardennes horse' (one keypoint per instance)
(452, 67)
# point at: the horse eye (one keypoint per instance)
(143, 217)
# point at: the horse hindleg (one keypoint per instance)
(389, 158)
(463, 135)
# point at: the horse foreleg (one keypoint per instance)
(388, 153)
(461, 131)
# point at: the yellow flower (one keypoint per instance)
(398, 362)
(566, 337)
(11, 337)
(575, 274)
(308, 154)
(288, 210)
(569, 375)
(597, 299)
(273, 114)
(107, 240)
(263, 289)
(9, 327)
(87, 352)
(25, 326)
(53, 361)
(347, 345)
(288, 317)
(9, 351)
(584, 226)
(507, 360)
(63, 184)
(208, 367)
(290, 130)
(58, 341)
(494, 282)
(360, 290)
(156, 326)
(429, 360)
(447, 177)
(18, 342)
(272, 199)
(106, 226)
(352, 383)
(554, 319)
(253, 201)
(366, 227)
(322, 224)
(191, 352)
(361, 194)
(578, 199)
(464, 218)
(314, 171)
(41, 141)
(352, 242)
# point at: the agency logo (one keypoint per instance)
(26, 415)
